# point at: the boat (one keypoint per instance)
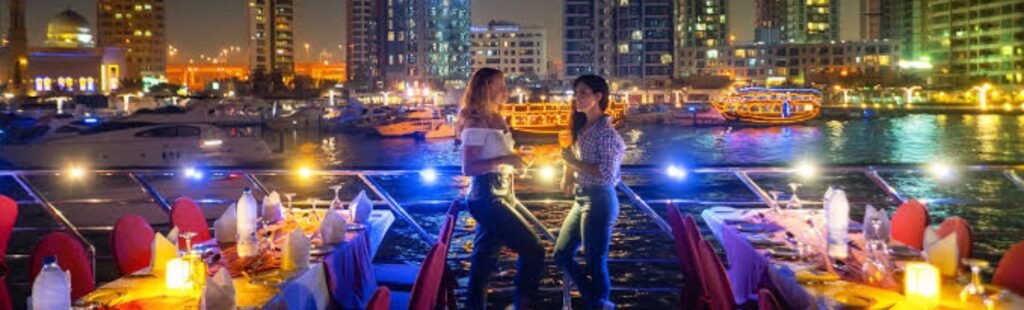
(548, 118)
(215, 112)
(139, 144)
(770, 106)
(427, 123)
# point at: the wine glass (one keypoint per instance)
(565, 139)
(290, 196)
(976, 287)
(188, 235)
(527, 154)
(794, 201)
(336, 204)
(775, 201)
(313, 203)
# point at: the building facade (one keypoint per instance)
(271, 37)
(631, 41)
(515, 50)
(769, 17)
(702, 23)
(811, 21)
(901, 21)
(363, 50)
(759, 64)
(137, 27)
(971, 41)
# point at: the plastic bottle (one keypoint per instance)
(52, 287)
(247, 209)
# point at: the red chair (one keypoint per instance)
(427, 288)
(8, 215)
(715, 281)
(71, 256)
(908, 224)
(132, 244)
(964, 236)
(686, 255)
(381, 299)
(766, 300)
(187, 216)
(1010, 271)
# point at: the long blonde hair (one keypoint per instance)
(475, 100)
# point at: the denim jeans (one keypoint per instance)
(589, 224)
(492, 202)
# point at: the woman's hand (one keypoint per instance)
(569, 157)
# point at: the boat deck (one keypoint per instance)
(642, 258)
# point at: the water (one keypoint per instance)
(908, 139)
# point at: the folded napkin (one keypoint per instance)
(871, 213)
(219, 293)
(362, 206)
(837, 219)
(332, 228)
(226, 227)
(943, 253)
(272, 207)
(174, 237)
(296, 251)
(163, 251)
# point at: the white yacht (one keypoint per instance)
(215, 112)
(430, 124)
(140, 144)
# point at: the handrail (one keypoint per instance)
(395, 207)
(59, 216)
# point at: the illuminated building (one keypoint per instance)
(975, 40)
(136, 26)
(515, 50)
(69, 61)
(322, 71)
(793, 63)
(629, 40)
(797, 21)
(271, 37)
(702, 23)
(197, 76)
(895, 20)
(365, 47)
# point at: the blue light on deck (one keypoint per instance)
(193, 173)
(91, 120)
(691, 109)
(676, 172)
(428, 175)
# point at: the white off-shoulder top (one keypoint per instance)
(494, 142)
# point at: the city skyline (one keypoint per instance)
(223, 24)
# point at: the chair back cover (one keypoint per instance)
(188, 217)
(964, 236)
(1010, 271)
(427, 287)
(132, 242)
(908, 224)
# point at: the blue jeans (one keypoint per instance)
(589, 223)
(492, 202)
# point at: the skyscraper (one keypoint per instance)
(516, 50)
(629, 40)
(871, 19)
(413, 43)
(769, 17)
(138, 27)
(363, 33)
(895, 20)
(968, 41)
(271, 37)
(797, 21)
(702, 23)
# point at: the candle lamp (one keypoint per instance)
(178, 275)
(922, 285)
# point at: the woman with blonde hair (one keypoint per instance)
(488, 159)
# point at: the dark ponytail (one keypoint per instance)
(578, 119)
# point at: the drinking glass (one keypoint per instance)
(336, 204)
(976, 287)
(565, 139)
(794, 201)
(527, 153)
(775, 201)
(290, 196)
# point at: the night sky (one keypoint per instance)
(206, 26)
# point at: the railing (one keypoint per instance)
(367, 178)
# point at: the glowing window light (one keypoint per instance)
(428, 175)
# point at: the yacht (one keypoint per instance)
(430, 124)
(770, 106)
(215, 112)
(139, 144)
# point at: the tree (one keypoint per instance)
(165, 89)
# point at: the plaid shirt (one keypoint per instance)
(600, 145)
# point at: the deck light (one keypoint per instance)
(305, 172)
(193, 173)
(76, 172)
(805, 169)
(547, 173)
(428, 175)
(941, 170)
(676, 172)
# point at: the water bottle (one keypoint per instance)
(837, 215)
(52, 287)
(247, 213)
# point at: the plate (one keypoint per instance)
(750, 228)
(853, 300)
(815, 275)
(900, 251)
(784, 253)
(761, 241)
(321, 250)
(354, 226)
(736, 221)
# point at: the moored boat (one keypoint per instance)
(548, 118)
(770, 106)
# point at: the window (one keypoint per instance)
(188, 131)
(162, 132)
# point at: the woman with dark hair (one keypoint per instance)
(487, 157)
(592, 166)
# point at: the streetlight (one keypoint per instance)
(637, 89)
(60, 104)
(386, 95)
(330, 94)
(983, 94)
(126, 97)
(676, 92)
(306, 45)
(519, 91)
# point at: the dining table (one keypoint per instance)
(337, 276)
(781, 249)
